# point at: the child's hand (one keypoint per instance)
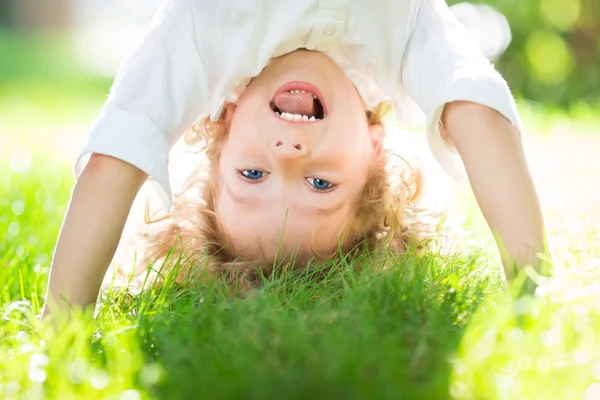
(99, 207)
(493, 155)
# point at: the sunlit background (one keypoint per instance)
(58, 58)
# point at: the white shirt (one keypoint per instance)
(197, 53)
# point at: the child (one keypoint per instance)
(287, 85)
(218, 230)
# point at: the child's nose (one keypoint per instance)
(290, 149)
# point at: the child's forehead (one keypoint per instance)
(266, 252)
(277, 242)
(275, 255)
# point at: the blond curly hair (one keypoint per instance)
(386, 216)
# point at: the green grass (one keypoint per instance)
(432, 327)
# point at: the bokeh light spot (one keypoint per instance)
(43, 259)
(550, 57)
(151, 374)
(551, 337)
(77, 371)
(582, 357)
(562, 15)
(36, 367)
(98, 378)
(14, 228)
(18, 206)
(516, 334)
(593, 392)
(20, 161)
(131, 394)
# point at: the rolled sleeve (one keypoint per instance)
(442, 65)
(157, 94)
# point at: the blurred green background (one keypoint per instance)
(555, 51)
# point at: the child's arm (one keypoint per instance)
(99, 207)
(456, 86)
(492, 152)
(160, 89)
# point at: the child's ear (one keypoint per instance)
(229, 114)
(376, 135)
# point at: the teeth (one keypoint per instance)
(295, 117)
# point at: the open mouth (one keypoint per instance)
(299, 102)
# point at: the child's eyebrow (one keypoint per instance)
(316, 210)
(246, 200)
(307, 210)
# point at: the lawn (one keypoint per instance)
(438, 325)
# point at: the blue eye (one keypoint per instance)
(320, 184)
(252, 174)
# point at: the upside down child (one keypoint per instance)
(286, 99)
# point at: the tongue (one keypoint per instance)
(295, 103)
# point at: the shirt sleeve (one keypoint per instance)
(157, 93)
(441, 65)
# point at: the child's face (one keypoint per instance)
(281, 180)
